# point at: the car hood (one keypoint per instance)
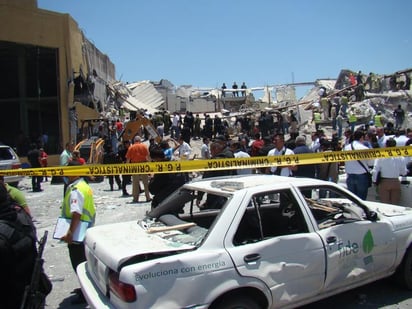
(114, 244)
(388, 210)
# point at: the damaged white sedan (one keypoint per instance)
(258, 241)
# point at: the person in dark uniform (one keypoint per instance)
(110, 157)
(126, 179)
(235, 93)
(219, 150)
(17, 251)
(34, 158)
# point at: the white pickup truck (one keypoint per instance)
(258, 241)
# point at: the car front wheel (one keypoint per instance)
(403, 274)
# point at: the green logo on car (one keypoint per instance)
(368, 242)
(367, 246)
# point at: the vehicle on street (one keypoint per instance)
(256, 241)
(10, 160)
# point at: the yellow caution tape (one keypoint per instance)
(212, 164)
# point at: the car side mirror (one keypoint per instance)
(373, 216)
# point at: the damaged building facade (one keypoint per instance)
(51, 76)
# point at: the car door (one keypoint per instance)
(357, 248)
(273, 243)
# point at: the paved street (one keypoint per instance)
(111, 207)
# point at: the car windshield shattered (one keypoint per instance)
(330, 206)
(185, 216)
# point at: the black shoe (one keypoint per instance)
(76, 291)
(125, 194)
(78, 299)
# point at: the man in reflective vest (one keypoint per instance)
(378, 119)
(316, 118)
(352, 119)
(78, 205)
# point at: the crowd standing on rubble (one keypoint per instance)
(266, 133)
(276, 134)
(259, 133)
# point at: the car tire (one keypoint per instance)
(403, 274)
(237, 302)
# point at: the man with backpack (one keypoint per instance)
(18, 253)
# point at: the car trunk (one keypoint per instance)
(112, 246)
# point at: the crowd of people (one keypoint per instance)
(269, 134)
(337, 107)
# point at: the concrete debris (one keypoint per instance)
(367, 94)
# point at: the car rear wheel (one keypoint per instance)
(237, 302)
(403, 274)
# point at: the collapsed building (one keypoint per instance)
(53, 76)
(54, 79)
(377, 93)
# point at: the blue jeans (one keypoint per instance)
(340, 130)
(175, 132)
(358, 184)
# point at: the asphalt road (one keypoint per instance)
(111, 207)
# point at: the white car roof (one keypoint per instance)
(241, 182)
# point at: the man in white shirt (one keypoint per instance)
(280, 150)
(389, 186)
(183, 149)
(381, 136)
(401, 138)
(315, 144)
(175, 129)
(204, 150)
(357, 171)
(238, 153)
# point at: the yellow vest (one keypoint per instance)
(352, 118)
(378, 121)
(89, 212)
(324, 102)
(317, 117)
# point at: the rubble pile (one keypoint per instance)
(367, 94)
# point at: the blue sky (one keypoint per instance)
(261, 42)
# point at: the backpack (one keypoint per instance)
(18, 231)
(18, 238)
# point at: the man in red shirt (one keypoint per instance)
(119, 127)
(256, 145)
(139, 152)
